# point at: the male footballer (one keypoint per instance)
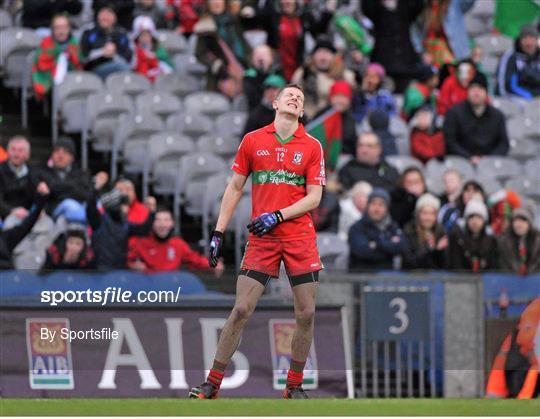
(288, 175)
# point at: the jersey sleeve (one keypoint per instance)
(315, 171)
(241, 164)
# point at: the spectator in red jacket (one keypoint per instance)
(427, 139)
(454, 87)
(162, 251)
(138, 212)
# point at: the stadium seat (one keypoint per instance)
(69, 99)
(223, 145)
(398, 127)
(166, 147)
(403, 146)
(435, 170)
(489, 183)
(240, 103)
(172, 41)
(27, 89)
(483, 10)
(333, 251)
(523, 126)
(177, 84)
(132, 137)
(162, 104)
(16, 44)
(192, 125)
(101, 120)
(187, 64)
(231, 123)
(207, 103)
(522, 149)
(498, 167)
(192, 174)
(525, 186)
(127, 83)
(475, 26)
(5, 20)
(509, 107)
(494, 45)
(403, 162)
(490, 64)
(532, 168)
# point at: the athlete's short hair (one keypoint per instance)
(287, 86)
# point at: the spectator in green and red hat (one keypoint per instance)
(57, 54)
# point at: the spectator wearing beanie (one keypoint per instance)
(427, 239)
(263, 114)
(70, 251)
(421, 93)
(376, 242)
(162, 251)
(369, 165)
(371, 95)
(474, 128)
(150, 59)
(69, 185)
(340, 97)
(411, 186)
(519, 69)
(317, 76)
(519, 247)
(379, 122)
(472, 247)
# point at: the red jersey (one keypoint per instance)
(280, 170)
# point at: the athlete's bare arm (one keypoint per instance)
(230, 200)
(306, 204)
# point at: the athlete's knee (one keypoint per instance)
(242, 311)
(305, 316)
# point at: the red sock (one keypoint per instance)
(216, 374)
(296, 373)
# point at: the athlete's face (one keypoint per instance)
(290, 101)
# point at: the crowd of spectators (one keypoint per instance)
(420, 50)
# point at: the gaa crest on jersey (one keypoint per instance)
(297, 159)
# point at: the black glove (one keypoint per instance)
(265, 222)
(216, 243)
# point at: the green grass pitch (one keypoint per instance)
(268, 407)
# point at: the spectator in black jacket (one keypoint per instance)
(106, 46)
(375, 241)
(17, 180)
(474, 128)
(393, 48)
(70, 251)
(411, 186)
(427, 239)
(39, 13)
(519, 247)
(519, 68)
(263, 114)
(68, 184)
(472, 247)
(111, 229)
(263, 66)
(10, 238)
(369, 166)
